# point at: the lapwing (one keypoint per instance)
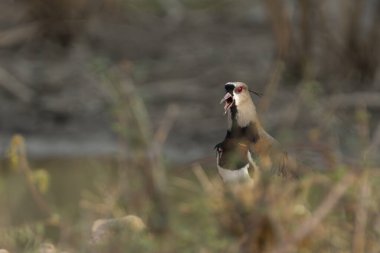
(247, 146)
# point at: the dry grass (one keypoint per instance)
(320, 212)
(136, 203)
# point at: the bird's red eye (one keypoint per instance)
(239, 89)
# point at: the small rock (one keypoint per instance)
(103, 229)
(47, 248)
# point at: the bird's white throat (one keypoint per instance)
(246, 114)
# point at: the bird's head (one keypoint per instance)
(237, 93)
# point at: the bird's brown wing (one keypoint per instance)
(270, 157)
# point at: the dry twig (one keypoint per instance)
(374, 145)
(359, 239)
(322, 211)
(17, 35)
(166, 125)
(15, 87)
(281, 26)
(369, 99)
(202, 178)
(272, 86)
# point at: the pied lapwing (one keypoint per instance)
(247, 146)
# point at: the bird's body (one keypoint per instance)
(234, 160)
(262, 152)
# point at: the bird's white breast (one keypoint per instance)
(234, 176)
(231, 176)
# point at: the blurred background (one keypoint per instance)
(55, 54)
(89, 87)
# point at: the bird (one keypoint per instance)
(247, 146)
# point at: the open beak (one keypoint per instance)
(228, 101)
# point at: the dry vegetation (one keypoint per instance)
(327, 55)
